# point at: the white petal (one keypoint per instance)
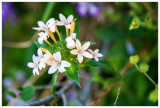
(40, 40)
(74, 52)
(80, 58)
(62, 18)
(68, 26)
(73, 35)
(50, 22)
(90, 51)
(61, 69)
(35, 71)
(96, 51)
(78, 44)
(71, 45)
(65, 64)
(41, 24)
(85, 46)
(40, 54)
(99, 55)
(68, 39)
(70, 18)
(58, 56)
(87, 54)
(96, 58)
(41, 65)
(35, 58)
(60, 23)
(52, 29)
(31, 65)
(52, 69)
(48, 53)
(37, 28)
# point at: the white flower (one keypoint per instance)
(95, 54)
(64, 21)
(80, 51)
(58, 64)
(40, 55)
(34, 65)
(50, 24)
(42, 36)
(70, 41)
(49, 58)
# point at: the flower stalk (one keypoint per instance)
(52, 36)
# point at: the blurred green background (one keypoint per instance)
(109, 28)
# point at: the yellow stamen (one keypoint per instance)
(71, 59)
(58, 33)
(48, 43)
(87, 60)
(67, 31)
(43, 49)
(52, 36)
(72, 27)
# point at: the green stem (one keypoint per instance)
(150, 79)
(48, 11)
(137, 67)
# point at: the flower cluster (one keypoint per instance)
(61, 52)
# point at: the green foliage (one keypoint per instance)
(27, 93)
(91, 43)
(153, 96)
(53, 82)
(72, 72)
(11, 93)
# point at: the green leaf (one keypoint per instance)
(11, 93)
(91, 43)
(53, 82)
(72, 72)
(104, 64)
(27, 93)
(135, 23)
(153, 96)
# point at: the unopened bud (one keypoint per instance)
(134, 59)
(144, 67)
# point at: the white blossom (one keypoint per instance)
(34, 64)
(42, 36)
(58, 64)
(65, 21)
(50, 24)
(70, 41)
(81, 51)
(95, 54)
(40, 55)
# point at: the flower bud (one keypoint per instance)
(144, 67)
(134, 59)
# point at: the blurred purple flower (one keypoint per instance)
(8, 12)
(130, 48)
(71, 95)
(7, 82)
(85, 8)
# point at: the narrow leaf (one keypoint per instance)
(54, 77)
(11, 93)
(72, 72)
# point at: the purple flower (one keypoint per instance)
(85, 8)
(8, 12)
(130, 48)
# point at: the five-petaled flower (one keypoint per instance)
(58, 64)
(81, 51)
(50, 25)
(42, 36)
(65, 21)
(95, 54)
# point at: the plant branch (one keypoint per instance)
(50, 98)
